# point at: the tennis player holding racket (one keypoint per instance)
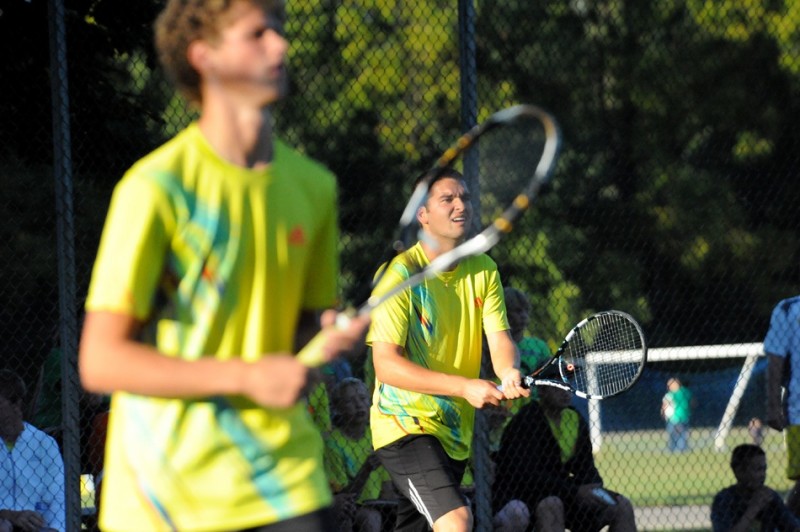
(426, 345)
(218, 250)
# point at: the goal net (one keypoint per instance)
(717, 375)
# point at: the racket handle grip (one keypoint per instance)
(313, 353)
(527, 381)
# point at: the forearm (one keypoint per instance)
(775, 416)
(144, 371)
(394, 369)
(504, 353)
(774, 382)
(759, 502)
(117, 362)
(744, 523)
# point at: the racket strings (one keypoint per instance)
(604, 357)
(498, 168)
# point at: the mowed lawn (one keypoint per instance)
(638, 465)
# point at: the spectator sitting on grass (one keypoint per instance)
(749, 504)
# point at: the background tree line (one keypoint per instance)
(675, 197)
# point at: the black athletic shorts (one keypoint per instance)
(319, 521)
(426, 476)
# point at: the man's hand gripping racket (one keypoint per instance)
(601, 356)
(505, 160)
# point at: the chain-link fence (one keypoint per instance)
(674, 198)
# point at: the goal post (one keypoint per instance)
(750, 352)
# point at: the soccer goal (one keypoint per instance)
(749, 352)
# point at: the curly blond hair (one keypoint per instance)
(184, 21)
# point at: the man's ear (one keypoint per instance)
(422, 215)
(197, 54)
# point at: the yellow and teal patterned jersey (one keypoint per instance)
(217, 261)
(439, 323)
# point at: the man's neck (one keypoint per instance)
(11, 437)
(437, 248)
(241, 136)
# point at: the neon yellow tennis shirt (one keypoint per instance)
(439, 323)
(215, 260)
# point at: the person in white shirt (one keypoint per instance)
(31, 467)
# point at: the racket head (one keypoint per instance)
(603, 355)
(505, 161)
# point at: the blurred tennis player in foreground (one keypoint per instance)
(219, 252)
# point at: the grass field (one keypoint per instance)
(638, 465)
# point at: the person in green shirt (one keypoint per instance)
(676, 409)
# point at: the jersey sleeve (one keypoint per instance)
(323, 277)
(390, 319)
(777, 338)
(132, 250)
(494, 306)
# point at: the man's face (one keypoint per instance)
(447, 212)
(753, 473)
(248, 58)
(10, 414)
(353, 404)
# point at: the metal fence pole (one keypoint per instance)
(65, 229)
(469, 106)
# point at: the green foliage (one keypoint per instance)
(379, 85)
(673, 187)
(741, 20)
(668, 126)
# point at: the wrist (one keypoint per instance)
(505, 373)
(460, 386)
(240, 372)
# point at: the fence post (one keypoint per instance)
(65, 238)
(469, 117)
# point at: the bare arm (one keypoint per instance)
(394, 369)
(111, 359)
(775, 416)
(505, 362)
(758, 502)
(25, 520)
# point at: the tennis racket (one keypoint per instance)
(602, 356)
(505, 161)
